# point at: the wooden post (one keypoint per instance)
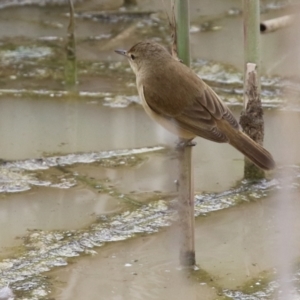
(252, 120)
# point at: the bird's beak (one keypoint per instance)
(122, 52)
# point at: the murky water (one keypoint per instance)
(87, 192)
(234, 246)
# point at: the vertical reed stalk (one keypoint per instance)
(186, 191)
(71, 62)
(252, 117)
(182, 29)
(252, 36)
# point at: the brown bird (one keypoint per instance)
(175, 97)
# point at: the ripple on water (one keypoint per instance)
(20, 176)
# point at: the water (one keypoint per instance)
(87, 189)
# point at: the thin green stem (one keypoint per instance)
(252, 36)
(183, 30)
(253, 112)
(71, 61)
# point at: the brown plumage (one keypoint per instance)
(175, 97)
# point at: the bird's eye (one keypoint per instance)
(132, 56)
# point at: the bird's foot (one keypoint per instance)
(185, 143)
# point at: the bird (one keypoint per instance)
(174, 96)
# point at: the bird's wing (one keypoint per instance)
(198, 115)
(206, 125)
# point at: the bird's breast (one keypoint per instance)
(168, 123)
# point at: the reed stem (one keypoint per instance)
(185, 189)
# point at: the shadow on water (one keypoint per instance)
(87, 179)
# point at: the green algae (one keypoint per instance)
(263, 287)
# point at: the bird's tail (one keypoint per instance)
(255, 152)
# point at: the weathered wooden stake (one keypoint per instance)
(252, 120)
